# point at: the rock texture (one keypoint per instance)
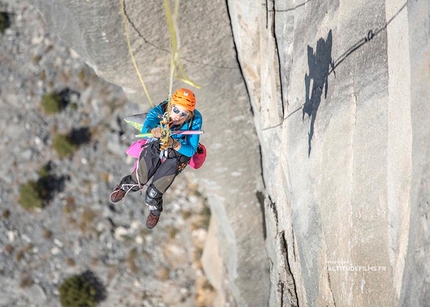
(334, 86)
(232, 175)
(316, 119)
(78, 230)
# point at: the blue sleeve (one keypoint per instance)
(190, 143)
(152, 119)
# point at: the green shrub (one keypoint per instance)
(77, 291)
(84, 290)
(64, 146)
(52, 103)
(36, 194)
(30, 195)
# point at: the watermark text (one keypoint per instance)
(346, 266)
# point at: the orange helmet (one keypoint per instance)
(184, 97)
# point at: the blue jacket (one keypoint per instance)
(189, 143)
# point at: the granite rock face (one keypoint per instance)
(339, 113)
(341, 100)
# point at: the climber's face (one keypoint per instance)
(178, 114)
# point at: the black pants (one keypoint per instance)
(162, 174)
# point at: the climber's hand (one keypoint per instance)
(171, 143)
(156, 132)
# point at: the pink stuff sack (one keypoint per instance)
(199, 157)
(135, 149)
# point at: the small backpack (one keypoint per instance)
(199, 157)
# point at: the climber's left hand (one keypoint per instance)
(172, 143)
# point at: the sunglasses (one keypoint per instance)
(177, 111)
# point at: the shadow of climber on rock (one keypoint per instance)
(319, 66)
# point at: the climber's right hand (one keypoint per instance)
(156, 132)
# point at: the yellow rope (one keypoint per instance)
(173, 42)
(175, 60)
(131, 52)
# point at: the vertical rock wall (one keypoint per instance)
(339, 98)
(415, 289)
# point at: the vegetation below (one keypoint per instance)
(83, 290)
(38, 193)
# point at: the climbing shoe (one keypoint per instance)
(152, 219)
(126, 185)
(117, 195)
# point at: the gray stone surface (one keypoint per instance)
(79, 229)
(344, 146)
(415, 283)
(332, 96)
(231, 176)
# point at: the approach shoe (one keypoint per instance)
(152, 219)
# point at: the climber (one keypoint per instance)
(176, 152)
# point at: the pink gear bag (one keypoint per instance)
(199, 157)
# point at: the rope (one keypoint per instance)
(127, 187)
(175, 63)
(130, 50)
(175, 60)
(164, 123)
(173, 39)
